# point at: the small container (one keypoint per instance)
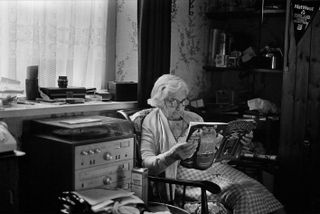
(32, 72)
(139, 183)
(63, 81)
(32, 89)
(273, 62)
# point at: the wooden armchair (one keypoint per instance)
(136, 117)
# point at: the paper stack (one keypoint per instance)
(117, 201)
(10, 87)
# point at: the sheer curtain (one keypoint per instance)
(62, 37)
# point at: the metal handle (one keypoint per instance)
(107, 180)
(306, 143)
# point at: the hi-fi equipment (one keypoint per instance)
(74, 153)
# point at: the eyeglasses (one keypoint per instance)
(174, 103)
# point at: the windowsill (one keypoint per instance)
(13, 154)
(23, 110)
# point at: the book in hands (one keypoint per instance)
(231, 146)
(217, 141)
(208, 136)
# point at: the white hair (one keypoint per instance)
(166, 85)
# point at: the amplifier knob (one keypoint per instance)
(85, 153)
(107, 156)
(91, 152)
(106, 180)
(97, 150)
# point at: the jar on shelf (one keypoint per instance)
(63, 81)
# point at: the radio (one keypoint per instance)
(66, 154)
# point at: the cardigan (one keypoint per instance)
(157, 140)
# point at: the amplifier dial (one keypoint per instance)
(85, 153)
(107, 156)
(97, 150)
(106, 180)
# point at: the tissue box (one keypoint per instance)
(123, 91)
(139, 183)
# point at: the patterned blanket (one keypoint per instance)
(240, 193)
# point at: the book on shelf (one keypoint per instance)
(217, 141)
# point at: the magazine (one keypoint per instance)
(217, 141)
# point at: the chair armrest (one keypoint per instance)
(204, 185)
(207, 185)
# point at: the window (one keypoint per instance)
(64, 38)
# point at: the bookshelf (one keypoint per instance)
(254, 70)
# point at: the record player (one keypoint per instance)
(75, 153)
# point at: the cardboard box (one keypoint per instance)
(139, 183)
(123, 91)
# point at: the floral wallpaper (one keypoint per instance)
(126, 41)
(189, 30)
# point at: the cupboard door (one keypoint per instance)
(312, 136)
(298, 184)
(8, 185)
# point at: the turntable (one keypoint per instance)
(75, 153)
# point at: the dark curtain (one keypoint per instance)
(154, 39)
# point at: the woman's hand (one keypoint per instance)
(183, 150)
(246, 141)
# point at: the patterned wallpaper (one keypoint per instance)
(126, 41)
(189, 30)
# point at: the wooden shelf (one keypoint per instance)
(42, 108)
(274, 12)
(263, 70)
(244, 13)
(14, 153)
(255, 70)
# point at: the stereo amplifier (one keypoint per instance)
(66, 154)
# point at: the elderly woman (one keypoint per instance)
(163, 146)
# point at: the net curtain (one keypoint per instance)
(62, 37)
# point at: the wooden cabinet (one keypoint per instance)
(257, 28)
(9, 193)
(299, 149)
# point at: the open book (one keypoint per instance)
(217, 141)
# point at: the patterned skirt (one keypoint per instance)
(239, 192)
